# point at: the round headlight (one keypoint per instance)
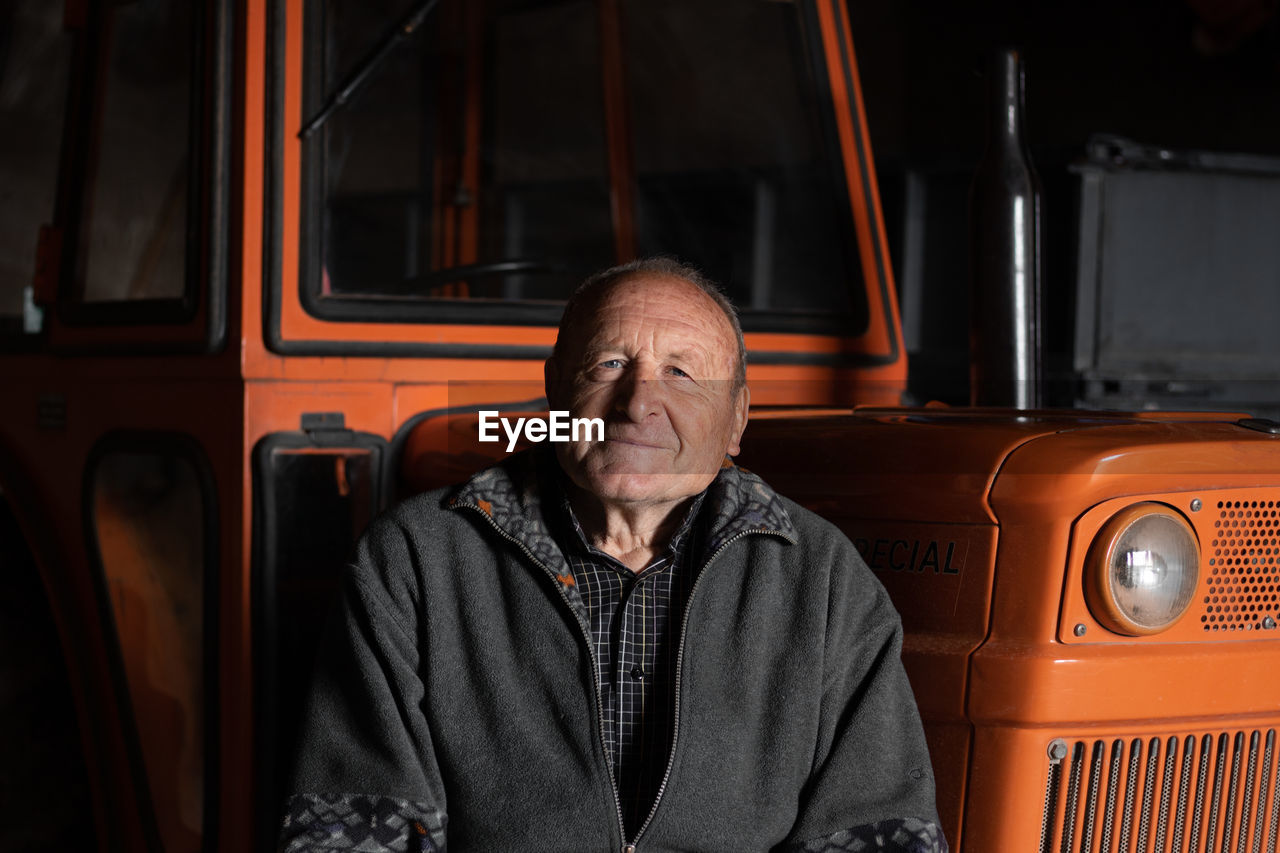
(1142, 570)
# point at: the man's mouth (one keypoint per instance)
(634, 442)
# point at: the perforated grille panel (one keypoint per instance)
(1184, 793)
(1243, 567)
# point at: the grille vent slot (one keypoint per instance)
(1243, 572)
(1215, 793)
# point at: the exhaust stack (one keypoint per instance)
(1004, 223)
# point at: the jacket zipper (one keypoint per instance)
(595, 668)
(630, 847)
(675, 721)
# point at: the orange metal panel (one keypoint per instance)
(1048, 483)
(1239, 585)
(1052, 685)
(279, 406)
(855, 143)
(930, 466)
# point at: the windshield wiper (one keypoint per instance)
(369, 64)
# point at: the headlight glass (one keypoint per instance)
(1143, 569)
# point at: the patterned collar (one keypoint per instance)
(511, 494)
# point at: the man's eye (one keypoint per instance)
(678, 373)
(612, 363)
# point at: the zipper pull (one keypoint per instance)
(628, 848)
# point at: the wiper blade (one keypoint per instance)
(369, 64)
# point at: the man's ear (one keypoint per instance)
(741, 409)
(551, 382)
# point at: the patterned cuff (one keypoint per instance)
(905, 835)
(363, 822)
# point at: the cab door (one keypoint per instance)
(114, 466)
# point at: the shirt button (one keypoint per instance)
(637, 673)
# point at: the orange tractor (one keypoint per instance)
(273, 256)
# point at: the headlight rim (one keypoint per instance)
(1098, 593)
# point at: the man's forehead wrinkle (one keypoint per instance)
(674, 325)
(676, 341)
(606, 335)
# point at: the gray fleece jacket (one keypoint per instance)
(455, 705)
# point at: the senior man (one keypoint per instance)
(618, 645)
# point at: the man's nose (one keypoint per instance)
(639, 396)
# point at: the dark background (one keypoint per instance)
(1195, 74)
(1189, 76)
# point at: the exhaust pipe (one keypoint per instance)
(1004, 223)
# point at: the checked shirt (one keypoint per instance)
(635, 622)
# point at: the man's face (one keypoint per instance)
(654, 358)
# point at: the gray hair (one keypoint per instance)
(659, 267)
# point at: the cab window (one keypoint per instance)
(131, 235)
(151, 515)
(35, 57)
(503, 150)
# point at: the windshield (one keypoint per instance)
(507, 148)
